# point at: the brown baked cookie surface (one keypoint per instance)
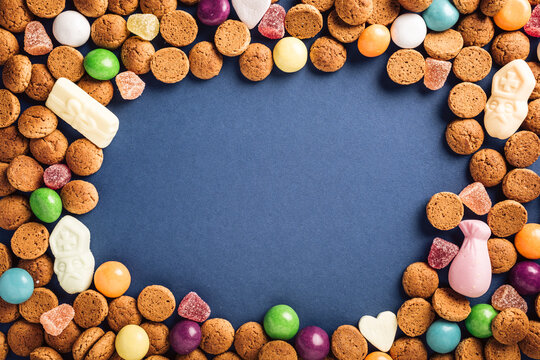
(169, 65)
(510, 326)
(407, 348)
(464, 136)
(91, 8)
(509, 46)
(488, 167)
(65, 61)
(232, 38)
(420, 280)
(277, 349)
(103, 348)
(535, 68)
(444, 210)
(5, 187)
(178, 28)
(522, 149)
(100, 90)
(327, 54)
(45, 353)
(491, 7)
(205, 61)
(503, 255)
(466, 6)
(532, 120)
(470, 349)
(217, 336)
(506, 218)
(531, 344)
(41, 301)
(303, 21)
(109, 31)
(63, 343)
(136, 55)
(79, 197)
(85, 342)
(249, 339)
(41, 83)
(321, 5)
(123, 311)
(158, 334)
(46, 9)
(494, 350)
(10, 108)
(444, 45)
(14, 211)
(256, 62)
(156, 303)
(450, 305)
(14, 15)
(51, 149)
(472, 64)
(8, 46)
(406, 66)
(83, 157)
(196, 354)
(476, 29)
(384, 12)
(24, 173)
(415, 316)
(467, 100)
(6, 259)
(41, 269)
(24, 337)
(522, 185)
(348, 343)
(158, 7)
(30, 241)
(354, 12)
(37, 122)
(8, 312)
(91, 309)
(342, 31)
(123, 7)
(16, 73)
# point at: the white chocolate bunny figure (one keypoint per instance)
(507, 106)
(74, 263)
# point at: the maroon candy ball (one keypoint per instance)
(185, 337)
(213, 12)
(312, 343)
(525, 277)
(56, 176)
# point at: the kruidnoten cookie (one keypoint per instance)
(476, 29)
(503, 255)
(444, 45)
(303, 21)
(420, 280)
(218, 336)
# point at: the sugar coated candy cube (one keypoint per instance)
(193, 308)
(442, 253)
(476, 198)
(532, 27)
(56, 176)
(56, 320)
(36, 40)
(144, 25)
(507, 297)
(436, 73)
(130, 85)
(272, 24)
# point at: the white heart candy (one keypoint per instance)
(251, 12)
(380, 331)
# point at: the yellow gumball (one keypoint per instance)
(132, 342)
(514, 15)
(290, 54)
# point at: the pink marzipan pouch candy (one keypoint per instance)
(56, 320)
(36, 40)
(442, 253)
(193, 308)
(476, 198)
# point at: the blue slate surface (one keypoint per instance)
(306, 189)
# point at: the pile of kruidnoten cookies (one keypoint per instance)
(34, 153)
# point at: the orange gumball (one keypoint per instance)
(374, 40)
(112, 279)
(527, 241)
(514, 15)
(377, 355)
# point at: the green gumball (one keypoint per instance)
(46, 204)
(479, 320)
(101, 64)
(281, 322)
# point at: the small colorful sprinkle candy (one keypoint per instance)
(56, 176)
(507, 297)
(56, 320)
(36, 40)
(436, 73)
(476, 198)
(130, 85)
(272, 24)
(442, 253)
(193, 308)
(146, 26)
(532, 28)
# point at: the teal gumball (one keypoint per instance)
(46, 204)
(16, 286)
(281, 322)
(443, 336)
(101, 64)
(440, 15)
(479, 321)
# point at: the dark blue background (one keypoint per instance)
(307, 189)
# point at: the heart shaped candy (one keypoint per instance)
(251, 12)
(380, 331)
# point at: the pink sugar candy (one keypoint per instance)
(56, 320)
(532, 27)
(193, 308)
(130, 85)
(56, 176)
(442, 253)
(272, 24)
(476, 198)
(506, 297)
(436, 73)
(36, 40)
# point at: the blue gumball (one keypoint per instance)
(443, 336)
(16, 286)
(440, 15)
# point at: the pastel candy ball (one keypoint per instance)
(525, 277)
(312, 343)
(443, 336)
(112, 279)
(185, 337)
(16, 286)
(514, 15)
(527, 241)
(408, 31)
(71, 28)
(281, 322)
(146, 26)
(441, 15)
(132, 342)
(378, 355)
(374, 40)
(101, 64)
(290, 54)
(46, 204)
(478, 323)
(213, 12)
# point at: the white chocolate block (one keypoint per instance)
(380, 331)
(507, 106)
(85, 114)
(74, 263)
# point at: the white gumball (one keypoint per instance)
(71, 28)
(408, 31)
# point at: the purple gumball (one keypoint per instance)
(525, 277)
(185, 337)
(312, 343)
(213, 12)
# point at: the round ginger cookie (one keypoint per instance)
(522, 149)
(103, 348)
(46, 9)
(6, 259)
(123, 311)
(217, 336)
(420, 280)
(506, 218)
(158, 7)
(407, 348)
(277, 349)
(196, 354)
(51, 149)
(85, 342)
(348, 343)
(327, 54)
(9, 46)
(91, 309)
(45, 353)
(450, 305)
(14, 15)
(466, 6)
(415, 5)
(83, 157)
(476, 29)
(65, 61)
(36, 122)
(467, 100)
(503, 255)
(169, 65)
(5, 187)
(232, 38)
(415, 316)
(109, 31)
(494, 350)
(156, 303)
(123, 7)
(25, 174)
(41, 269)
(535, 68)
(14, 211)
(100, 90)
(256, 62)
(488, 167)
(354, 12)
(532, 120)
(491, 7)
(321, 5)
(178, 28)
(41, 301)
(509, 46)
(228, 356)
(137, 55)
(10, 108)
(342, 31)
(16, 73)
(249, 339)
(41, 83)
(91, 8)
(537, 305)
(444, 210)
(24, 337)
(464, 136)
(194, 2)
(30, 241)
(303, 21)
(521, 185)
(205, 61)
(158, 334)
(472, 64)
(470, 349)
(406, 66)
(510, 326)
(384, 12)
(444, 45)
(79, 197)
(8, 312)
(531, 344)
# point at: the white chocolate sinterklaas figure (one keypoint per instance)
(85, 114)
(507, 106)
(74, 262)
